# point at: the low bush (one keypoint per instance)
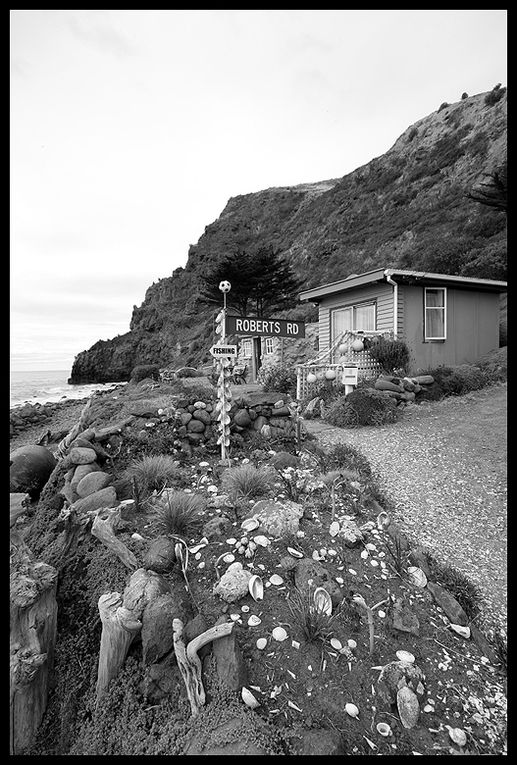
(278, 378)
(466, 592)
(364, 406)
(175, 512)
(390, 354)
(145, 371)
(189, 372)
(461, 379)
(347, 457)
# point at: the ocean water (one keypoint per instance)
(40, 387)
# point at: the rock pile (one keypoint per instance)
(403, 388)
(26, 416)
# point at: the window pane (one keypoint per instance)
(365, 317)
(434, 298)
(435, 322)
(341, 321)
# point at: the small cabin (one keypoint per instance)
(443, 319)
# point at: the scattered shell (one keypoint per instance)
(463, 631)
(231, 541)
(351, 710)
(405, 656)
(229, 558)
(417, 576)
(335, 643)
(202, 564)
(249, 699)
(373, 563)
(334, 529)
(256, 587)
(253, 621)
(370, 546)
(138, 537)
(382, 614)
(295, 644)
(293, 705)
(352, 571)
(384, 729)
(261, 643)
(245, 609)
(316, 555)
(340, 580)
(351, 644)
(197, 556)
(197, 547)
(294, 553)
(322, 601)
(458, 736)
(276, 579)
(332, 552)
(235, 617)
(279, 634)
(250, 524)
(408, 707)
(261, 540)
(364, 554)
(428, 708)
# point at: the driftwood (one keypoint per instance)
(189, 662)
(78, 428)
(121, 617)
(104, 530)
(33, 617)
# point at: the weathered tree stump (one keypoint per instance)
(121, 617)
(33, 614)
(189, 662)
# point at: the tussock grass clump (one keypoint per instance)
(152, 473)
(466, 592)
(175, 512)
(344, 456)
(314, 625)
(247, 481)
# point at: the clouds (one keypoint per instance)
(131, 129)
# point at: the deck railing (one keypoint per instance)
(342, 347)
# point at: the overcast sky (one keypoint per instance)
(131, 129)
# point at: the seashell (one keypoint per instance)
(364, 554)
(335, 643)
(332, 552)
(374, 563)
(276, 579)
(428, 708)
(231, 541)
(197, 556)
(458, 736)
(254, 621)
(405, 656)
(245, 609)
(334, 529)
(463, 631)
(322, 601)
(370, 546)
(316, 555)
(197, 547)
(261, 643)
(249, 524)
(351, 710)
(381, 614)
(417, 576)
(229, 558)
(256, 587)
(294, 553)
(261, 540)
(352, 571)
(138, 537)
(351, 644)
(383, 520)
(384, 729)
(235, 617)
(408, 707)
(249, 699)
(279, 634)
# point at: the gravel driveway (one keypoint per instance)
(443, 468)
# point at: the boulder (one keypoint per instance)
(394, 676)
(404, 620)
(80, 472)
(282, 460)
(217, 528)
(162, 680)
(350, 533)
(230, 665)
(104, 498)
(195, 426)
(157, 635)
(81, 455)
(233, 584)
(423, 379)
(242, 418)
(387, 385)
(185, 418)
(92, 482)
(259, 422)
(203, 416)
(160, 556)
(30, 469)
(278, 518)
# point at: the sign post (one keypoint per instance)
(223, 353)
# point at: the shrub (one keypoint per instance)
(175, 512)
(364, 406)
(346, 456)
(390, 354)
(247, 481)
(466, 592)
(443, 106)
(144, 372)
(152, 473)
(279, 378)
(464, 96)
(495, 95)
(188, 372)
(456, 381)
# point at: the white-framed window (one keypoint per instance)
(269, 345)
(435, 313)
(354, 317)
(246, 347)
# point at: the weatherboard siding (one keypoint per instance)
(381, 294)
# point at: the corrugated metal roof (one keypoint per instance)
(404, 277)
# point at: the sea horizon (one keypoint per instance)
(42, 386)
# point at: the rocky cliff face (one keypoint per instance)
(409, 208)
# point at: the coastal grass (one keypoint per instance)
(152, 473)
(175, 512)
(247, 481)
